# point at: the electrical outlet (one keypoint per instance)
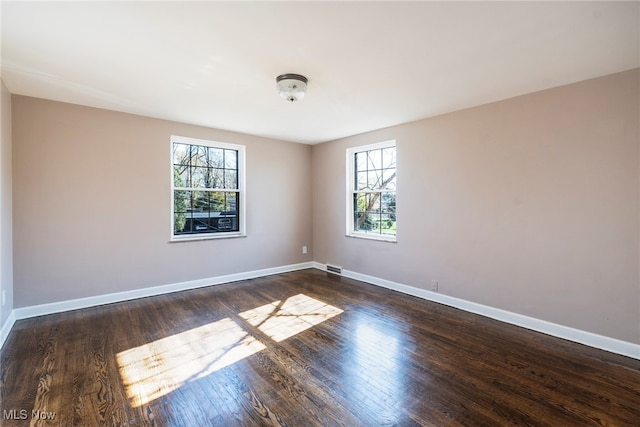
(304, 249)
(434, 285)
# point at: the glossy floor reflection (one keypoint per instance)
(378, 352)
(155, 369)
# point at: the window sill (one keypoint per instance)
(195, 237)
(376, 237)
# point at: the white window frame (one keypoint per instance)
(351, 190)
(241, 149)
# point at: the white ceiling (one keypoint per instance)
(370, 64)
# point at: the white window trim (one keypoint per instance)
(350, 165)
(241, 149)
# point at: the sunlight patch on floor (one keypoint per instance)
(157, 368)
(281, 320)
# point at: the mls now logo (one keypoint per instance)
(14, 414)
(23, 414)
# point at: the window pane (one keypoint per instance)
(373, 203)
(389, 157)
(216, 157)
(389, 179)
(361, 161)
(362, 222)
(374, 179)
(210, 180)
(181, 154)
(230, 159)
(181, 201)
(217, 201)
(389, 203)
(231, 204)
(225, 222)
(360, 202)
(362, 181)
(215, 178)
(367, 202)
(227, 218)
(199, 177)
(200, 223)
(181, 176)
(201, 201)
(199, 155)
(203, 205)
(388, 224)
(230, 179)
(372, 222)
(375, 159)
(181, 208)
(182, 222)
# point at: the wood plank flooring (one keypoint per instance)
(303, 349)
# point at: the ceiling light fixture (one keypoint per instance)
(291, 86)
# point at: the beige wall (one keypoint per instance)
(6, 227)
(529, 205)
(92, 204)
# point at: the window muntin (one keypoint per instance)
(208, 189)
(371, 182)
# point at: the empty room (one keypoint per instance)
(310, 213)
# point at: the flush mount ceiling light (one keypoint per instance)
(291, 86)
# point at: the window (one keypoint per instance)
(208, 189)
(371, 191)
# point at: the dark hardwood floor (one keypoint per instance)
(303, 349)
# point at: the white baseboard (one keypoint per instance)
(6, 327)
(319, 266)
(576, 335)
(75, 304)
(587, 338)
